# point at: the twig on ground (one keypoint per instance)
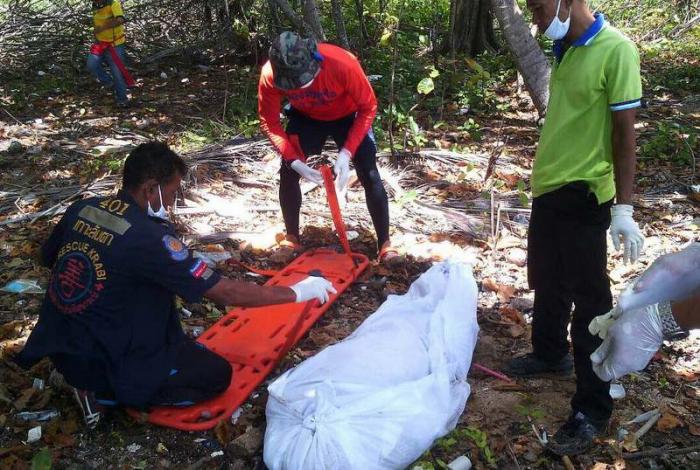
(661, 451)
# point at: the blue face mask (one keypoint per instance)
(557, 29)
(160, 213)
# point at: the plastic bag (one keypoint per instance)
(22, 286)
(378, 399)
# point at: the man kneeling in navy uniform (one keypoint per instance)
(109, 321)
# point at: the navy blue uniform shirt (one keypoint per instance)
(109, 319)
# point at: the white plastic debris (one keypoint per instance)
(164, 75)
(34, 434)
(186, 313)
(23, 286)
(41, 73)
(38, 384)
(43, 415)
(197, 331)
(212, 257)
(133, 448)
(460, 463)
(617, 391)
(236, 414)
(380, 398)
(218, 453)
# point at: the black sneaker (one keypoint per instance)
(91, 409)
(530, 365)
(575, 436)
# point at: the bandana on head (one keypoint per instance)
(294, 60)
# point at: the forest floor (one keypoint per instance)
(56, 144)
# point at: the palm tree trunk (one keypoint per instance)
(530, 59)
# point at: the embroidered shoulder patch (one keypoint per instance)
(177, 249)
(198, 269)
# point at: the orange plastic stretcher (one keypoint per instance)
(254, 340)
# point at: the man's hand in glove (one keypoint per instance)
(313, 288)
(629, 345)
(307, 172)
(671, 277)
(623, 229)
(342, 175)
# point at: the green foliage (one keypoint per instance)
(480, 439)
(472, 128)
(529, 410)
(671, 141)
(42, 460)
(523, 195)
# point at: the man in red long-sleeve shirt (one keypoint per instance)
(328, 95)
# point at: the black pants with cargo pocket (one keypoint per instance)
(567, 265)
(312, 135)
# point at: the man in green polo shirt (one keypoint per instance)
(582, 185)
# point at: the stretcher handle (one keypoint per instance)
(335, 209)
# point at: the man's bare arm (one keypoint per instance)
(624, 144)
(687, 312)
(248, 294)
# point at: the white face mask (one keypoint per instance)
(557, 28)
(160, 213)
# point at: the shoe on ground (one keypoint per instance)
(290, 242)
(389, 256)
(91, 409)
(530, 365)
(576, 436)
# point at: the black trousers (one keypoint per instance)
(312, 135)
(199, 374)
(567, 260)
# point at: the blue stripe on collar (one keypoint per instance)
(584, 40)
(592, 31)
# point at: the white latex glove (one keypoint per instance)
(624, 229)
(313, 288)
(671, 277)
(342, 175)
(601, 324)
(307, 172)
(632, 341)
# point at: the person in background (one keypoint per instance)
(109, 31)
(328, 95)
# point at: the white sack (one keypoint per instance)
(378, 399)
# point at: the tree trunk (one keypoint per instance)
(360, 7)
(292, 16)
(312, 17)
(337, 12)
(530, 59)
(471, 27)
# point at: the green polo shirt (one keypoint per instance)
(598, 75)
